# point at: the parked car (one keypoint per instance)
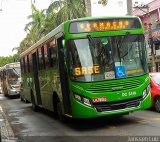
(155, 90)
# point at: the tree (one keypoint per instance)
(67, 9)
(35, 27)
(46, 20)
(104, 2)
(88, 7)
(8, 59)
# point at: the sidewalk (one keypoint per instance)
(7, 134)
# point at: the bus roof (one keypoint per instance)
(56, 31)
(103, 17)
(11, 65)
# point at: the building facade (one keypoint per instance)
(150, 16)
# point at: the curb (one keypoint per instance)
(7, 134)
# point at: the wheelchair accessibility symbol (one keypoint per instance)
(120, 71)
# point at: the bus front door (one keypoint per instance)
(36, 78)
(63, 78)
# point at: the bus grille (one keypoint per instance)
(111, 106)
(114, 86)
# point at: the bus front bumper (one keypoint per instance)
(12, 92)
(80, 110)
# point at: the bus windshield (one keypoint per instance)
(96, 59)
(13, 75)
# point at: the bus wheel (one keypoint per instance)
(61, 117)
(6, 93)
(157, 104)
(34, 106)
(21, 98)
(25, 100)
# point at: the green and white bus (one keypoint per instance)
(88, 67)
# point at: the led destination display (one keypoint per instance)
(104, 25)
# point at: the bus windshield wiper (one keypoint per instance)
(91, 40)
(16, 72)
(122, 42)
(93, 45)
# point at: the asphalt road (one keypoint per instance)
(25, 122)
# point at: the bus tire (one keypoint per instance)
(34, 106)
(157, 104)
(25, 100)
(5, 93)
(21, 98)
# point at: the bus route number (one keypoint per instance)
(129, 94)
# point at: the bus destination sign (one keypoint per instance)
(104, 25)
(13, 65)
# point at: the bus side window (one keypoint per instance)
(26, 65)
(30, 63)
(52, 53)
(24, 70)
(40, 56)
(43, 58)
(38, 62)
(22, 66)
(46, 56)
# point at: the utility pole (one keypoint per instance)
(1, 6)
(88, 7)
(129, 7)
(149, 28)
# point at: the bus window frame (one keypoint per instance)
(46, 59)
(30, 62)
(24, 69)
(52, 52)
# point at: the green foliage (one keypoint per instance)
(104, 2)
(42, 22)
(8, 59)
(67, 9)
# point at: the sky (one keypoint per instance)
(13, 18)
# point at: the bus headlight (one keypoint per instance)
(146, 91)
(148, 88)
(83, 100)
(86, 102)
(77, 97)
(10, 86)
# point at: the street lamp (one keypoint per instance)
(142, 7)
